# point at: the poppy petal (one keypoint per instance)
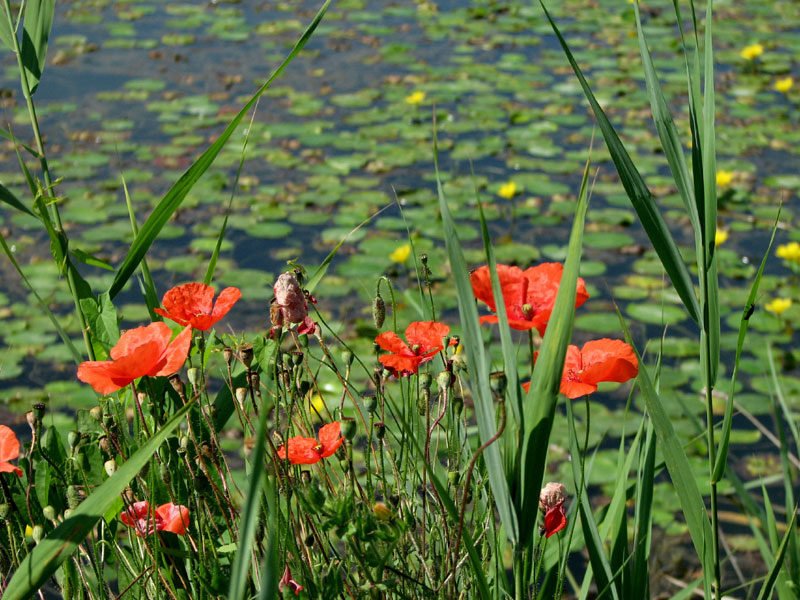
(608, 360)
(510, 283)
(102, 376)
(188, 300)
(426, 334)
(390, 341)
(402, 365)
(176, 354)
(225, 301)
(9, 444)
(173, 518)
(301, 451)
(576, 389)
(163, 313)
(132, 339)
(555, 519)
(330, 438)
(9, 468)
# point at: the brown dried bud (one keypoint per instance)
(246, 354)
(30, 417)
(241, 395)
(290, 299)
(105, 444)
(177, 384)
(551, 495)
(378, 311)
(227, 354)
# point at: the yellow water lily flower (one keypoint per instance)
(720, 237)
(784, 85)
(415, 98)
(316, 405)
(790, 251)
(778, 305)
(401, 254)
(752, 51)
(724, 178)
(507, 190)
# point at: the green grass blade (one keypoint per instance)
(775, 571)
(36, 27)
(148, 285)
(749, 307)
(6, 33)
(478, 366)
(270, 569)
(641, 199)
(10, 199)
(45, 558)
(539, 407)
(172, 200)
(643, 522)
(76, 356)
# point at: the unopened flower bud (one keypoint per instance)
(348, 428)
(246, 354)
(444, 379)
(309, 541)
(305, 476)
(141, 395)
(96, 413)
(380, 430)
(370, 402)
(110, 466)
(73, 439)
(297, 358)
(73, 498)
(378, 311)
(49, 513)
(458, 405)
(498, 383)
(30, 417)
(383, 512)
(227, 354)
(183, 443)
(193, 375)
(425, 380)
(4, 508)
(177, 384)
(38, 533)
(347, 357)
(551, 495)
(241, 395)
(453, 477)
(105, 444)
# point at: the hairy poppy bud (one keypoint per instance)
(73, 498)
(177, 384)
(38, 533)
(425, 381)
(347, 357)
(49, 513)
(73, 439)
(96, 413)
(110, 466)
(193, 375)
(378, 311)
(444, 379)
(370, 402)
(105, 444)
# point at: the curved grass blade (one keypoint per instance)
(59, 544)
(478, 365)
(146, 282)
(775, 570)
(10, 199)
(270, 569)
(640, 196)
(539, 407)
(749, 307)
(172, 200)
(36, 27)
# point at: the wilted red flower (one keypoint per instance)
(555, 519)
(291, 302)
(307, 451)
(167, 517)
(529, 295)
(141, 351)
(424, 341)
(9, 450)
(193, 304)
(598, 360)
(287, 580)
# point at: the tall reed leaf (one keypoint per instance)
(59, 544)
(640, 197)
(35, 33)
(539, 408)
(10, 199)
(478, 365)
(172, 200)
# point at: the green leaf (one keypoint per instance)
(45, 558)
(10, 199)
(172, 200)
(88, 259)
(103, 320)
(640, 196)
(36, 27)
(6, 31)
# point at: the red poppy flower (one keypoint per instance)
(167, 517)
(529, 295)
(555, 519)
(141, 351)
(287, 581)
(9, 450)
(193, 304)
(598, 360)
(307, 451)
(424, 341)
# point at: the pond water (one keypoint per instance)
(139, 89)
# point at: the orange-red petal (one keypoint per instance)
(555, 519)
(608, 360)
(391, 342)
(301, 451)
(426, 334)
(174, 356)
(103, 376)
(158, 333)
(403, 365)
(173, 518)
(9, 444)
(184, 302)
(330, 438)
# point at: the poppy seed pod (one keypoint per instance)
(227, 354)
(370, 402)
(378, 311)
(241, 395)
(246, 354)
(348, 427)
(73, 439)
(193, 375)
(39, 409)
(380, 430)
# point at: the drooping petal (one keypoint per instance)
(173, 518)
(608, 360)
(9, 444)
(555, 519)
(175, 354)
(390, 341)
(158, 333)
(330, 438)
(300, 451)
(576, 389)
(426, 334)
(103, 376)
(9, 468)
(225, 301)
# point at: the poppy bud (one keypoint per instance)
(73, 498)
(423, 402)
(254, 379)
(96, 413)
(380, 430)
(177, 384)
(444, 379)
(383, 512)
(141, 396)
(309, 541)
(110, 466)
(241, 395)
(303, 338)
(370, 402)
(183, 443)
(227, 354)
(49, 513)
(378, 311)
(348, 427)
(166, 476)
(297, 358)
(30, 417)
(193, 375)
(347, 357)
(425, 381)
(105, 444)
(246, 354)
(344, 464)
(305, 476)
(73, 439)
(128, 496)
(38, 533)
(498, 383)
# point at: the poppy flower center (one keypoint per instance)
(415, 348)
(573, 375)
(527, 311)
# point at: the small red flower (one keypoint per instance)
(141, 351)
(307, 451)
(9, 450)
(598, 360)
(555, 519)
(287, 581)
(529, 295)
(167, 517)
(424, 341)
(193, 304)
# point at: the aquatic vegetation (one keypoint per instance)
(752, 51)
(783, 84)
(778, 305)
